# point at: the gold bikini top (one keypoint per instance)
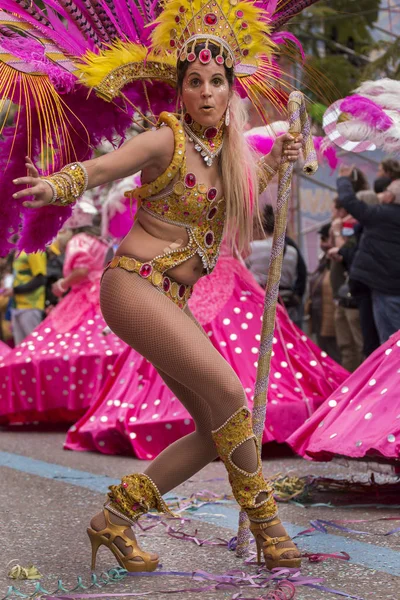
(186, 203)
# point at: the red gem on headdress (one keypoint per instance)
(219, 59)
(172, 43)
(245, 52)
(182, 9)
(166, 284)
(190, 180)
(188, 119)
(212, 194)
(210, 19)
(145, 270)
(239, 14)
(191, 57)
(181, 291)
(210, 132)
(205, 56)
(244, 25)
(212, 213)
(177, 19)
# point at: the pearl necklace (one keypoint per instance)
(207, 140)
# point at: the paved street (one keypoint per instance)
(48, 496)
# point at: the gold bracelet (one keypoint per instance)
(69, 184)
(265, 174)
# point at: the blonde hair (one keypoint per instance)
(240, 181)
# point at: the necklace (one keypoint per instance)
(207, 140)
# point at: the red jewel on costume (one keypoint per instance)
(205, 56)
(166, 284)
(190, 180)
(212, 213)
(145, 270)
(210, 19)
(191, 57)
(210, 132)
(188, 119)
(219, 59)
(239, 14)
(212, 194)
(209, 239)
(181, 291)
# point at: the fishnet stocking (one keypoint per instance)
(173, 341)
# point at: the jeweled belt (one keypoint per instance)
(179, 293)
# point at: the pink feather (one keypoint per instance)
(282, 37)
(367, 111)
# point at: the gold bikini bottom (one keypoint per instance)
(179, 293)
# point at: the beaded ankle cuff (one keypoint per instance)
(136, 495)
(246, 487)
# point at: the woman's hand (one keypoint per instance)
(345, 171)
(37, 187)
(285, 145)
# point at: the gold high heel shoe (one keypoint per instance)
(108, 535)
(248, 487)
(267, 545)
(136, 495)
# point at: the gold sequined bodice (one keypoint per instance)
(186, 203)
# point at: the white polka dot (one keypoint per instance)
(333, 436)
(144, 405)
(92, 418)
(104, 419)
(368, 416)
(274, 340)
(102, 444)
(233, 337)
(284, 364)
(289, 346)
(332, 403)
(391, 438)
(277, 375)
(187, 421)
(256, 364)
(254, 350)
(168, 426)
(157, 402)
(238, 350)
(117, 402)
(244, 326)
(384, 391)
(222, 343)
(133, 435)
(324, 354)
(388, 351)
(237, 310)
(109, 352)
(299, 375)
(249, 315)
(226, 321)
(149, 438)
(274, 386)
(303, 338)
(132, 419)
(209, 333)
(344, 389)
(313, 363)
(155, 416)
(358, 407)
(372, 382)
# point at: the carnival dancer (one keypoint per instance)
(361, 419)
(199, 181)
(57, 371)
(136, 411)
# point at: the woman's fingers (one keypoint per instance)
(28, 180)
(35, 203)
(32, 170)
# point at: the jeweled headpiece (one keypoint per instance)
(239, 29)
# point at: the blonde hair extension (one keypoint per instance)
(239, 175)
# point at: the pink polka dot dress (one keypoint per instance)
(362, 416)
(136, 413)
(55, 374)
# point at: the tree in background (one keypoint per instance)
(337, 38)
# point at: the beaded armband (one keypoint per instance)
(265, 174)
(68, 185)
(150, 189)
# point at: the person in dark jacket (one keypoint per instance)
(377, 261)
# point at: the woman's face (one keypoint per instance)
(205, 92)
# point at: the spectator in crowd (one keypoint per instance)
(377, 261)
(28, 293)
(320, 306)
(6, 279)
(388, 168)
(294, 272)
(347, 317)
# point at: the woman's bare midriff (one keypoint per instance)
(149, 237)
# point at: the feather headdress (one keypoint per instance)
(74, 72)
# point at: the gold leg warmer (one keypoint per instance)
(246, 486)
(136, 495)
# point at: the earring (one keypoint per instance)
(227, 117)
